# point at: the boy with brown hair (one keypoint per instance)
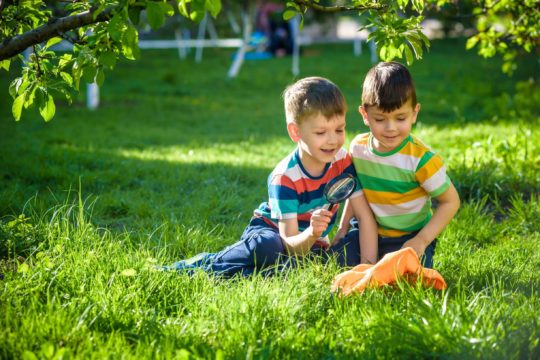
(294, 221)
(399, 174)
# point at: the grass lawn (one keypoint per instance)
(174, 162)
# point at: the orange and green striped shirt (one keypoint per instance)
(399, 184)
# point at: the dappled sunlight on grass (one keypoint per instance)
(265, 153)
(174, 162)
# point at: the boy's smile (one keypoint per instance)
(390, 129)
(319, 139)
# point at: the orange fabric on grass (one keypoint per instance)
(403, 263)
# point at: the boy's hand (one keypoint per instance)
(416, 244)
(319, 222)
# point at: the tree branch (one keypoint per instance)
(340, 8)
(17, 44)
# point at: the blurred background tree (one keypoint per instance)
(105, 31)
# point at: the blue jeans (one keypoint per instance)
(390, 244)
(260, 249)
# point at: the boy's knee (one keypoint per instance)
(267, 247)
(348, 249)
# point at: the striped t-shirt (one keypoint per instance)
(399, 184)
(294, 193)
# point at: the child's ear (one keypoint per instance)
(363, 112)
(415, 113)
(294, 132)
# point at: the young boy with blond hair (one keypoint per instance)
(399, 174)
(294, 222)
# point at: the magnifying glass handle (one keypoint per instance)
(329, 207)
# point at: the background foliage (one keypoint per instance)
(105, 31)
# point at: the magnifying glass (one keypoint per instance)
(339, 189)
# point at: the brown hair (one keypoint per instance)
(388, 85)
(310, 96)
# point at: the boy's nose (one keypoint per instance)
(332, 138)
(390, 125)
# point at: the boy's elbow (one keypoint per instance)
(450, 201)
(455, 201)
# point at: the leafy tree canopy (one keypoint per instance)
(105, 31)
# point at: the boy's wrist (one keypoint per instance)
(422, 239)
(310, 232)
(364, 260)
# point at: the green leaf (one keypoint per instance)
(416, 46)
(28, 355)
(100, 77)
(4, 64)
(14, 87)
(31, 95)
(424, 38)
(107, 58)
(393, 52)
(134, 14)
(383, 51)
(292, 4)
(64, 60)
(182, 8)
(39, 94)
(155, 14)
(47, 109)
(214, 6)
(471, 42)
(116, 27)
(89, 73)
(16, 109)
(168, 10)
(77, 73)
(418, 5)
(289, 14)
(19, 85)
(53, 41)
(130, 47)
(197, 16)
(66, 77)
(408, 55)
(402, 3)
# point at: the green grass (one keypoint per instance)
(174, 162)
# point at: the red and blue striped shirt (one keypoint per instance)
(294, 193)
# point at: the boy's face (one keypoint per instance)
(319, 139)
(389, 129)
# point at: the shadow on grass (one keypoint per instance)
(133, 195)
(490, 280)
(495, 182)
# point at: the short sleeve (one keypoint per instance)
(283, 198)
(350, 169)
(431, 174)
